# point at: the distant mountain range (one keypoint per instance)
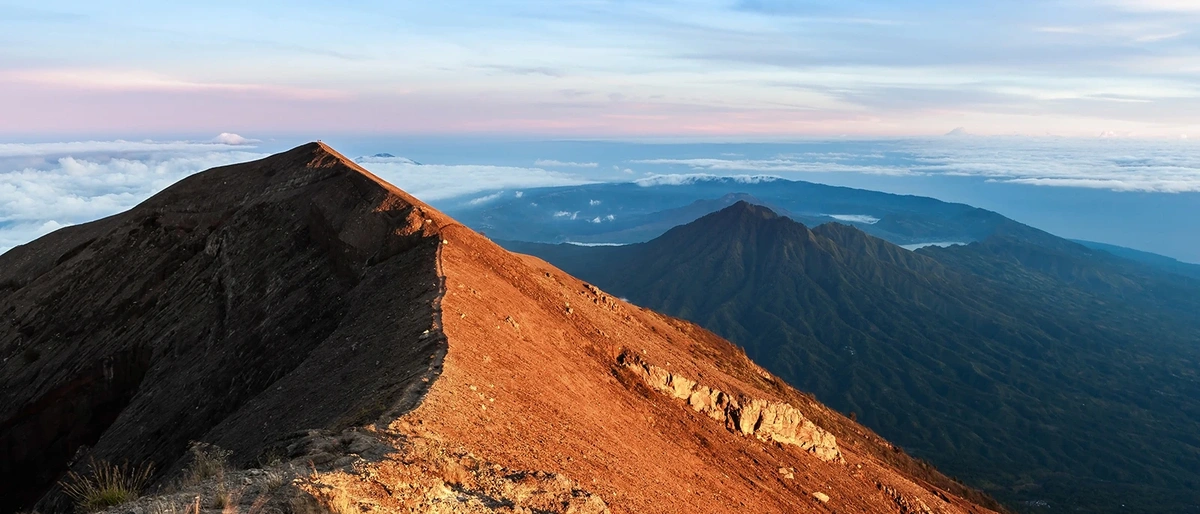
(642, 210)
(1045, 371)
(1153, 259)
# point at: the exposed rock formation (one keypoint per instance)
(764, 419)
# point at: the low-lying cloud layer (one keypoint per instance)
(47, 186)
(1115, 164)
(1135, 165)
(686, 179)
(551, 163)
(433, 182)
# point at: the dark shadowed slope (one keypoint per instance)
(1025, 364)
(298, 309)
(138, 333)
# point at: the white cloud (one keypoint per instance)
(777, 165)
(1113, 161)
(519, 194)
(683, 180)
(941, 244)
(1150, 38)
(432, 182)
(560, 164)
(1169, 6)
(139, 80)
(1118, 164)
(593, 203)
(46, 186)
(486, 199)
(594, 220)
(596, 244)
(565, 214)
(385, 158)
(855, 218)
(84, 148)
(229, 138)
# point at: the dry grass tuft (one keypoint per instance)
(208, 461)
(106, 485)
(274, 480)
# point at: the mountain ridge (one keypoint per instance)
(299, 307)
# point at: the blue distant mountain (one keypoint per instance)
(1159, 261)
(638, 211)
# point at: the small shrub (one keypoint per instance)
(272, 457)
(225, 499)
(274, 480)
(208, 461)
(106, 485)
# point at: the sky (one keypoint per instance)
(597, 68)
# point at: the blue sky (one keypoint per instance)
(593, 68)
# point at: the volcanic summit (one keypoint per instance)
(321, 325)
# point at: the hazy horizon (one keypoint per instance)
(1135, 193)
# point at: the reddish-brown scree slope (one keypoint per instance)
(252, 304)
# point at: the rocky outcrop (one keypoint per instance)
(763, 419)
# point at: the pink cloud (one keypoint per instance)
(32, 108)
(140, 81)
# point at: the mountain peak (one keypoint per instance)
(745, 208)
(316, 154)
(302, 170)
(738, 221)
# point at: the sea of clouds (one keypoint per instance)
(1141, 165)
(47, 186)
(433, 182)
